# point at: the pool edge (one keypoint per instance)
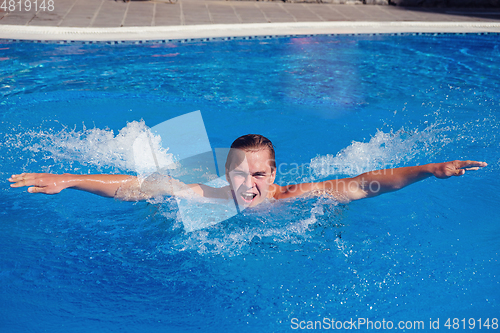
(238, 30)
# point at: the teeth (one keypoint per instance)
(248, 196)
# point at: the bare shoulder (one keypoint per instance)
(212, 192)
(290, 191)
(274, 191)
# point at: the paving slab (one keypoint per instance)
(222, 13)
(251, 13)
(110, 14)
(331, 13)
(139, 14)
(166, 15)
(302, 13)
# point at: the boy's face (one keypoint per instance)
(252, 178)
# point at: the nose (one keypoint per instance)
(248, 181)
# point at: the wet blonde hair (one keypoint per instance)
(250, 142)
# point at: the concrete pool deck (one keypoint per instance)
(101, 20)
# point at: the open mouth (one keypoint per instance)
(248, 197)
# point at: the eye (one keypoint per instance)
(240, 174)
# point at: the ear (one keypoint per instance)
(227, 176)
(273, 176)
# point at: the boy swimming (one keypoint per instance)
(250, 171)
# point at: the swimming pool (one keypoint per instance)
(332, 105)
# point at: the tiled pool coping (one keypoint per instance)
(39, 33)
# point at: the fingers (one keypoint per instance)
(16, 178)
(474, 165)
(36, 189)
(39, 189)
(28, 175)
(21, 180)
(22, 177)
(27, 179)
(469, 166)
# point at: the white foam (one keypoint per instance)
(149, 154)
(384, 150)
(269, 224)
(95, 147)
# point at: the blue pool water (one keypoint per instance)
(334, 106)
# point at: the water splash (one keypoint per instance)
(263, 227)
(95, 148)
(384, 150)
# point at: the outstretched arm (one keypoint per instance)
(103, 185)
(122, 187)
(374, 183)
(378, 182)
